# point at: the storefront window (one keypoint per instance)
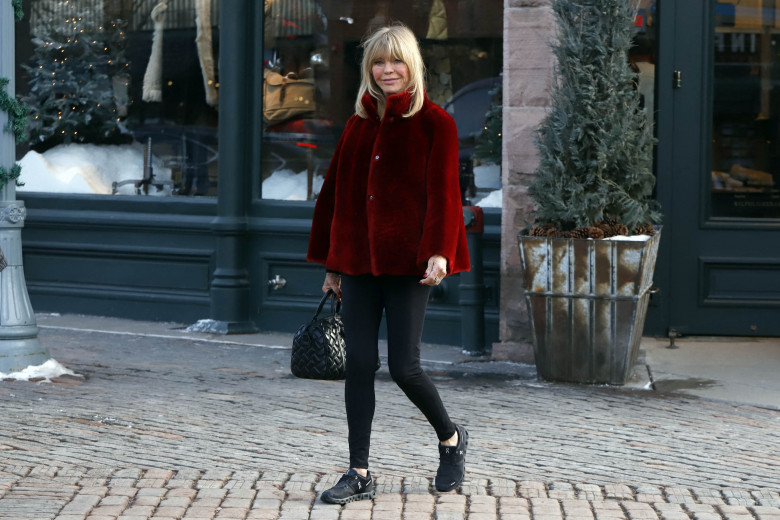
(123, 97)
(312, 52)
(746, 111)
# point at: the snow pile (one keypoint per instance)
(208, 326)
(491, 200)
(288, 185)
(88, 168)
(632, 238)
(487, 179)
(51, 369)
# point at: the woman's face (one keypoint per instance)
(391, 74)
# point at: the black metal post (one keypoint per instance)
(472, 285)
(230, 288)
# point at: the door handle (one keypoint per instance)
(277, 282)
(677, 82)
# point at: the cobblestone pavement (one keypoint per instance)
(179, 428)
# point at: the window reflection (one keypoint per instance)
(311, 78)
(642, 54)
(123, 96)
(746, 111)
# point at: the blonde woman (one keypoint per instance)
(388, 225)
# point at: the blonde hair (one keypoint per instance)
(398, 42)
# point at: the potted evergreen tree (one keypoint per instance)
(586, 292)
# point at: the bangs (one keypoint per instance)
(388, 44)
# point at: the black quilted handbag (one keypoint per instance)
(318, 347)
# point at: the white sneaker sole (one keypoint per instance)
(353, 498)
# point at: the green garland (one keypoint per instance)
(16, 110)
(18, 9)
(17, 115)
(7, 175)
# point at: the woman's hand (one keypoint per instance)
(332, 283)
(436, 271)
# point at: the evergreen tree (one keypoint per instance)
(488, 141)
(75, 66)
(596, 143)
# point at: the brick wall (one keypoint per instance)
(528, 64)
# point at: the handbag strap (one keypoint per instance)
(335, 304)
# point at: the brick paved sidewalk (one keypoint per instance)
(134, 494)
(180, 428)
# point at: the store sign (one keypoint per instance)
(736, 43)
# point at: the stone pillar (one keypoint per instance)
(19, 345)
(528, 65)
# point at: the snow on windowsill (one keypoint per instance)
(286, 184)
(491, 200)
(88, 168)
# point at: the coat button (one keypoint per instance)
(370, 197)
(376, 157)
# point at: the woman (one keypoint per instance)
(388, 225)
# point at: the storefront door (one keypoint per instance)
(723, 214)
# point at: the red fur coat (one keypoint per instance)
(391, 197)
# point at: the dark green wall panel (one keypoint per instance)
(154, 260)
(280, 235)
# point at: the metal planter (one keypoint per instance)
(587, 301)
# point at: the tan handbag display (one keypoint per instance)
(286, 97)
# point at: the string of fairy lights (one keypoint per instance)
(76, 24)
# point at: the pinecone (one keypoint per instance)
(595, 233)
(580, 232)
(545, 230)
(620, 229)
(612, 227)
(536, 231)
(645, 229)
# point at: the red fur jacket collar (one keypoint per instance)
(391, 197)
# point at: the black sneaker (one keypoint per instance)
(452, 462)
(350, 487)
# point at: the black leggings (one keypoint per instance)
(404, 300)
